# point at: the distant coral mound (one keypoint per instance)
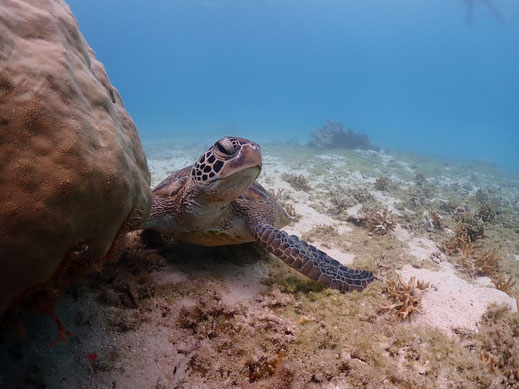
(333, 136)
(73, 174)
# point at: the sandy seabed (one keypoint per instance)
(181, 316)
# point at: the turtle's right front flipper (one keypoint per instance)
(311, 261)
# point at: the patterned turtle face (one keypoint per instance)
(229, 162)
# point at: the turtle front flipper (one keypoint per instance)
(311, 261)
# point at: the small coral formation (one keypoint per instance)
(497, 342)
(504, 284)
(470, 226)
(298, 182)
(378, 221)
(433, 220)
(420, 179)
(383, 183)
(73, 174)
(486, 212)
(361, 195)
(263, 367)
(283, 198)
(468, 229)
(479, 262)
(404, 299)
(321, 232)
(341, 199)
(206, 319)
(486, 262)
(333, 136)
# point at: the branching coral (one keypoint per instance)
(342, 199)
(468, 229)
(282, 197)
(298, 182)
(265, 367)
(498, 341)
(383, 183)
(479, 262)
(433, 220)
(380, 221)
(505, 284)
(419, 179)
(405, 299)
(486, 212)
(470, 226)
(362, 195)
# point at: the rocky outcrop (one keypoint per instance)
(73, 174)
(333, 136)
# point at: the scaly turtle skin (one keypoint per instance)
(217, 202)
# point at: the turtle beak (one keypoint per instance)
(249, 157)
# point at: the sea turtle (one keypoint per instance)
(217, 202)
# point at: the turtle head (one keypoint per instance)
(227, 169)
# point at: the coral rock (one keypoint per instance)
(73, 174)
(334, 136)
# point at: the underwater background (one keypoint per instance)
(434, 77)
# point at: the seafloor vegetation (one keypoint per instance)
(174, 315)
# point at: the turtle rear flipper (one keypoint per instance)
(311, 261)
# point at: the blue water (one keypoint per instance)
(427, 76)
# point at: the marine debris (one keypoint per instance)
(297, 181)
(404, 299)
(333, 136)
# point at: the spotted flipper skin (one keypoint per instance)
(311, 261)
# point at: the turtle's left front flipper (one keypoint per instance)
(311, 261)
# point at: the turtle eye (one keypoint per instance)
(221, 148)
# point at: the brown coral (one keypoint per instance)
(433, 220)
(504, 284)
(380, 221)
(405, 299)
(73, 175)
(468, 229)
(479, 262)
(298, 182)
(383, 183)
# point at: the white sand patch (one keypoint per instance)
(401, 234)
(244, 284)
(423, 248)
(168, 275)
(453, 302)
(516, 257)
(310, 218)
(388, 201)
(164, 164)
